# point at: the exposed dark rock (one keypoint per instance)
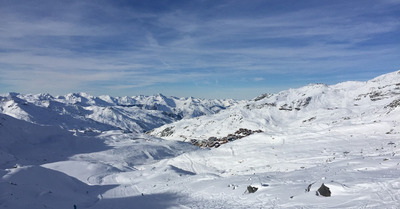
(252, 189)
(310, 119)
(286, 107)
(259, 106)
(305, 102)
(384, 93)
(394, 104)
(309, 187)
(262, 96)
(167, 132)
(324, 191)
(172, 115)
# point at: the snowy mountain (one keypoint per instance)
(316, 106)
(31, 144)
(319, 146)
(83, 112)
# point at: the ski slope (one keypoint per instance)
(345, 136)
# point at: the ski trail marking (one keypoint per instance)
(191, 163)
(232, 152)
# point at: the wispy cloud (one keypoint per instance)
(115, 46)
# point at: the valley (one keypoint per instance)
(108, 152)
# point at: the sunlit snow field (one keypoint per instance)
(347, 136)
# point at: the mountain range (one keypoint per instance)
(316, 106)
(318, 146)
(83, 112)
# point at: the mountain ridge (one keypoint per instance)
(74, 151)
(81, 111)
(297, 107)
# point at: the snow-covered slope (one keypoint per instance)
(26, 143)
(345, 136)
(316, 106)
(83, 112)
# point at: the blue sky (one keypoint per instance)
(206, 48)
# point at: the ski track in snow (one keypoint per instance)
(345, 136)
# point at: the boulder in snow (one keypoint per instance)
(252, 189)
(324, 191)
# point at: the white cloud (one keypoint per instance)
(126, 48)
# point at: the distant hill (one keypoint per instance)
(319, 146)
(85, 113)
(316, 106)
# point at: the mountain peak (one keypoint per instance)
(389, 78)
(320, 103)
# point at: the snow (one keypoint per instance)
(345, 136)
(83, 112)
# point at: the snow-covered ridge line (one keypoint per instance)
(81, 111)
(343, 136)
(315, 105)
